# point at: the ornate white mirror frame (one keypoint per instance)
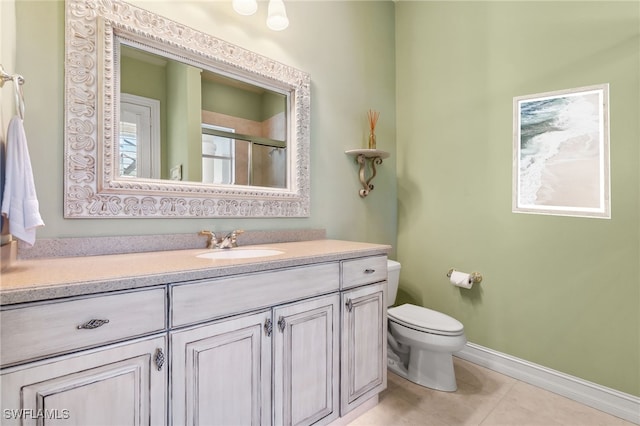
(92, 185)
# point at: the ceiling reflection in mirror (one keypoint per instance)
(242, 129)
(162, 120)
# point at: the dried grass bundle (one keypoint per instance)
(373, 119)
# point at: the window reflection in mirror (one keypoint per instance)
(216, 129)
(218, 157)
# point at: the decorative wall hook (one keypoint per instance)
(18, 81)
(374, 158)
(5, 76)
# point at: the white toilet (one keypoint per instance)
(421, 341)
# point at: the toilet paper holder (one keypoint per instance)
(474, 277)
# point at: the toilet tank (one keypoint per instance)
(393, 278)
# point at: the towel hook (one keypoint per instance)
(18, 82)
(5, 76)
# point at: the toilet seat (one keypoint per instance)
(425, 320)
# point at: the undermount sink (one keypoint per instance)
(239, 253)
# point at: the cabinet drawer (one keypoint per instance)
(204, 300)
(40, 330)
(364, 271)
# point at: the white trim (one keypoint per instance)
(605, 399)
(94, 31)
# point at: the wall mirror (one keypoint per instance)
(165, 121)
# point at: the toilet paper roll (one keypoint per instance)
(461, 279)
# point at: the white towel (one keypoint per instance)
(19, 201)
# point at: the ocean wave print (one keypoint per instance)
(544, 126)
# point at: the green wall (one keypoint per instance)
(152, 85)
(229, 100)
(184, 121)
(348, 78)
(562, 292)
(272, 104)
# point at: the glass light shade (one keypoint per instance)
(277, 19)
(245, 7)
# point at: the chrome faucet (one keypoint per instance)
(229, 241)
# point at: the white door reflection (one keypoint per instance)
(139, 144)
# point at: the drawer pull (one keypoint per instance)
(94, 323)
(369, 271)
(268, 327)
(159, 358)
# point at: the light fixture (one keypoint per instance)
(277, 17)
(245, 7)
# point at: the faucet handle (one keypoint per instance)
(234, 237)
(212, 241)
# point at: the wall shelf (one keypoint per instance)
(374, 158)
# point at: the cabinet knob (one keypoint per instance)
(282, 323)
(268, 327)
(369, 271)
(159, 358)
(349, 305)
(94, 323)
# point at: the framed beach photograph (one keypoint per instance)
(561, 153)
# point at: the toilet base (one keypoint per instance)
(433, 370)
(397, 367)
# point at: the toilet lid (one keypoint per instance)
(426, 319)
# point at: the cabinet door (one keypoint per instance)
(116, 385)
(306, 366)
(364, 345)
(222, 372)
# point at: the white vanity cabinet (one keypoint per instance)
(279, 364)
(306, 361)
(117, 385)
(363, 357)
(221, 372)
(36, 330)
(122, 383)
(299, 344)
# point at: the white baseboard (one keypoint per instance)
(611, 401)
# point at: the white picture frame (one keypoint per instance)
(561, 153)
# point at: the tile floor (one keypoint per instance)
(485, 398)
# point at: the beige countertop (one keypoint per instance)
(50, 278)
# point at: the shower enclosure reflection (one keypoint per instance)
(181, 122)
